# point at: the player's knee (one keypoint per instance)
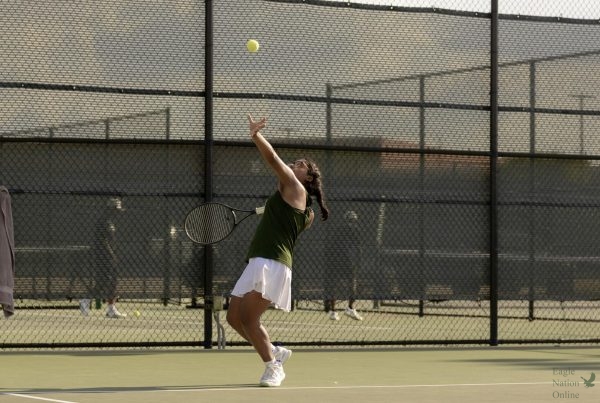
(249, 321)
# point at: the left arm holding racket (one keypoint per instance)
(212, 222)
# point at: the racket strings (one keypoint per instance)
(210, 223)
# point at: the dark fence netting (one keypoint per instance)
(459, 214)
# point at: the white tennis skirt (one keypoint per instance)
(269, 277)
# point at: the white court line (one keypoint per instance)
(38, 398)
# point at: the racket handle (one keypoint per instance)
(260, 210)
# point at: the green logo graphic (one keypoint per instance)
(589, 383)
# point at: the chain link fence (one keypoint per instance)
(459, 215)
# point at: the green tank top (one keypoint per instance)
(278, 230)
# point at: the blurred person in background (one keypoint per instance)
(343, 261)
(106, 261)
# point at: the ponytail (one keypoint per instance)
(315, 188)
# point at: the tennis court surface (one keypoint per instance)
(492, 374)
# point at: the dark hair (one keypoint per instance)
(315, 187)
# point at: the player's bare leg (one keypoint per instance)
(244, 315)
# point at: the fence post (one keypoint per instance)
(532, 187)
(208, 143)
(493, 174)
(168, 123)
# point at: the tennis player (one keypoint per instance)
(266, 280)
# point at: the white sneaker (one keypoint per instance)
(113, 312)
(84, 306)
(273, 375)
(333, 315)
(353, 314)
(281, 354)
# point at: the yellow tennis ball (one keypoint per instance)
(137, 313)
(252, 46)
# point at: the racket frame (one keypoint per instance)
(236, 220)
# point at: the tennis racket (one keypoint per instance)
(212, 222)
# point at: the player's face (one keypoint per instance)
(300, 169)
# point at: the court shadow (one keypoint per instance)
(536, 363)
(111, 389)
(535, 358)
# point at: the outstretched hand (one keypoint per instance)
(256, 126)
